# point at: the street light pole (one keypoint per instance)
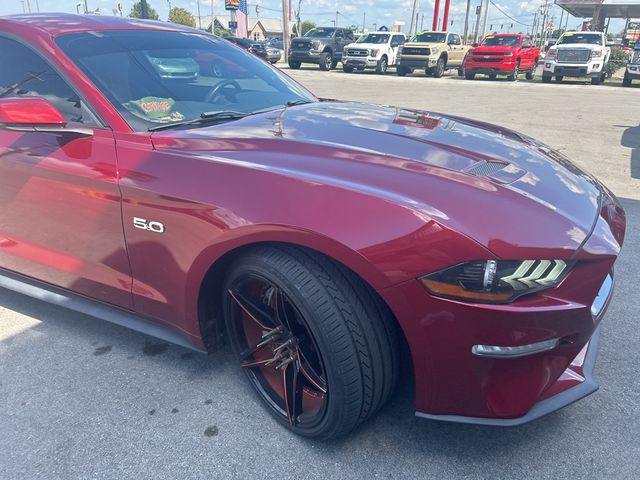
(413, 26)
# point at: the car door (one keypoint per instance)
(60, 204)
(455, 49)
(340, 42)
(396, 42)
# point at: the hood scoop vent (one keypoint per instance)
(485, 169)
(499, 171)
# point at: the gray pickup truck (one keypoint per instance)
(322, 46)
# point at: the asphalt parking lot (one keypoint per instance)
(82, 399)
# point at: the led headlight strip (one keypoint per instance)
(495, 281)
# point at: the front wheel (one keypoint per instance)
(347, 69)
(318, 345)
(626, 81)
(559, 78)
(295, 64)
(326, 61)
(516, 71)
(470, 76)
(439, 69)
(546, 77)
(383, 64)
(402, 71)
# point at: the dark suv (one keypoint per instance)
(322, 46)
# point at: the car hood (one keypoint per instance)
(424, 45)
(479, 179)
(493, 49)
(577, 45)
(366, 45)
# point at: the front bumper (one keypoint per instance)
(359, 62)
(305, 56)
(454, 383)
(489, 68)
(633, 71)
(417, 63)
(592, 69)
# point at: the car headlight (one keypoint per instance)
(316, 45)
(508, 54)
(596, 53)
(495, 281)
(374, 53)
(435, 50)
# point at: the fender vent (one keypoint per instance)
(485, 169)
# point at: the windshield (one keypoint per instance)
(155, 77)
(377, 38)
(430, 37)
(320, 32)
(590, 38)
(505, 41)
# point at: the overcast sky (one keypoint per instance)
(323, 11)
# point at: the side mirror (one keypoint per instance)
(34, 114)
(474, 45)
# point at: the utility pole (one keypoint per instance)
(364, 21)
(336, 22)
(477, 29)
(199, 16)
(298, 20)
(466, 22)
(413, 27)
(285, 28)
(484, 17)
(422, 22)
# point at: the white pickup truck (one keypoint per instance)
(377, 50)
(577, 54)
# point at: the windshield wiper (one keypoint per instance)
(298, 102)
(205, 117)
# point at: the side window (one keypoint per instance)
(339, 35)
(399, 39)
(456, 39)
(23, 73)
(349, 35)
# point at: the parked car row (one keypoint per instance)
(574, 54)
(262, 50)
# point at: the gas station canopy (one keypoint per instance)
(607, 8)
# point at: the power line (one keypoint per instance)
(509, 16)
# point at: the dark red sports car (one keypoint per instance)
(161, 178)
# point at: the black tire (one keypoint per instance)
(402, 71)
(626, 81)
(383, 65)
(347, 69)
(439, 69)
(350, 328)
(516, 71)
(546, 77)
(596, 80)
(326, 61)
(559, 78)
(493, 76)
(531, 73)
(470, 76)
(295, 64)
(461, 69)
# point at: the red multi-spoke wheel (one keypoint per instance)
(278, 350)
(317, 344)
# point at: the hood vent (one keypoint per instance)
(485, 169)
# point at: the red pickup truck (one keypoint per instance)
(503, 54)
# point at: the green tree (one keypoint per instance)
(136, 11)
(304, 28)
(182, 16)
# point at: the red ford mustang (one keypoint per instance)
(160, 178)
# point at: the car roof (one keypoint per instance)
(56, 24)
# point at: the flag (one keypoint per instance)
(243, 20)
